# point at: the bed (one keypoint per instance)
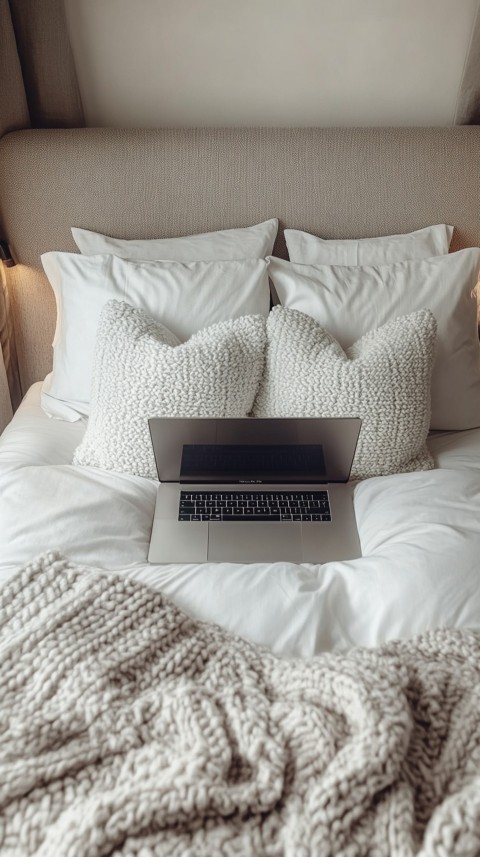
(419, 531)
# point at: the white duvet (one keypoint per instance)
(420, 537)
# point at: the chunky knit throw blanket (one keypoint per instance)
(127, 728)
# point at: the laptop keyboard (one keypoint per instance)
(254, 506)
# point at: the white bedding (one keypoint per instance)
(420, 536)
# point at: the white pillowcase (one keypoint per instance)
(307, 249)
(384, 379)
(252, 242)
(350, 301)
(185, 297)
(142, 371)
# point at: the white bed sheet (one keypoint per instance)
(420, 536)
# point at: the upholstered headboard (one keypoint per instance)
(333, 182)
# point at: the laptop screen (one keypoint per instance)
(252, 463)
(292, 450)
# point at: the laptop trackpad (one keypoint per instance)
(260, 542)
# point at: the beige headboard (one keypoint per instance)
(333, 182)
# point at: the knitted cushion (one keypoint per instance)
(141, 370)
(384, 378)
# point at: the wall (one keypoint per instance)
(270, 62)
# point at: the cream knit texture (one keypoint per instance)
(129, 729)
(141, 370)
(384, 379)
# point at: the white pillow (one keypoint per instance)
(384, 379)
(184, 296)
(141, 371)
(350, 301)
(307, 249)
(252, 242)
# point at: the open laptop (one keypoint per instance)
(254, 490)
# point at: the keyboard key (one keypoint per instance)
(264, 518)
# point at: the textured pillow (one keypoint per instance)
(142, 371)
(350, 301)
(307, 249)
(251, 242)
(384, 379)
(184, 296)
